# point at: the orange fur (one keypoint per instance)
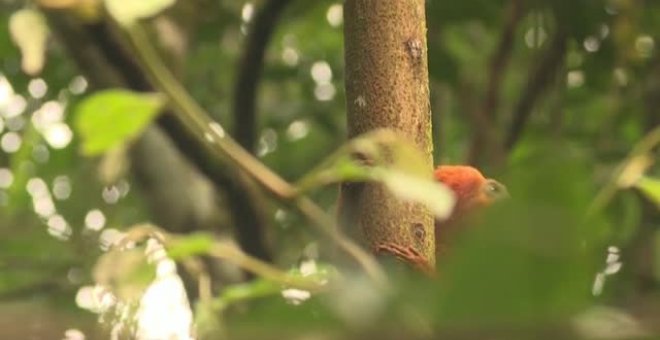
(468, 184)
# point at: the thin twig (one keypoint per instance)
(222, 145)
(260, 32)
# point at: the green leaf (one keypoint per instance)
(110, 118)
(128, 12)
(650, 187)
(192, 245)
(386, 157)
(29, 32)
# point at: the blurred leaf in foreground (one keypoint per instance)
(109, 118)
(650, 187)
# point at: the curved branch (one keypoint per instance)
(501, 58)
(537, 83)
(250, 69)
(198, 123)
(103, 60)
(484, 141)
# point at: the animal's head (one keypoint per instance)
(470, 186)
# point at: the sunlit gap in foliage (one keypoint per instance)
(163, 310)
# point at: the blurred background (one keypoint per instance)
(559, 100)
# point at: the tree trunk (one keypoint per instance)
(387, 87)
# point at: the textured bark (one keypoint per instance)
(387, 87)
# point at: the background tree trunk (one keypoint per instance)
(387, 87)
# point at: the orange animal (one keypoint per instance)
(472, 191)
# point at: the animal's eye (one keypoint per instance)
(495, 189)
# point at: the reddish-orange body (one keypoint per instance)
(472, 191)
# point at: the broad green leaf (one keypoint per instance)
(29, 32)
(110, 118)
(650, 187)
(128, 12)
(187, 246)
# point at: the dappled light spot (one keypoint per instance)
(78, 85)
(247, 12)
(324, 91)
(296, 296)
(217, 129)
(297, 130)
(620, 76)
(95, 298)
(74, 334)
(49, 113)
(335, 15)
(11, 142)
(111, 194)
(62, 187)
(95, 220)
(164, 311)
(290, 56)
(124, 187)
(6, 178)
(535, 37)
(36, 187)
(59, 228)
(591, 44)
(58, 135)
(612, 266)
(44, 206)
(321, 72)
(37, 88)
(267, 142)
(575, 78)
(604, 31)
(16, 106)
(644, 44)
(6, 91)
(109, 238)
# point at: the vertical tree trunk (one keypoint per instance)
(387, 87)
